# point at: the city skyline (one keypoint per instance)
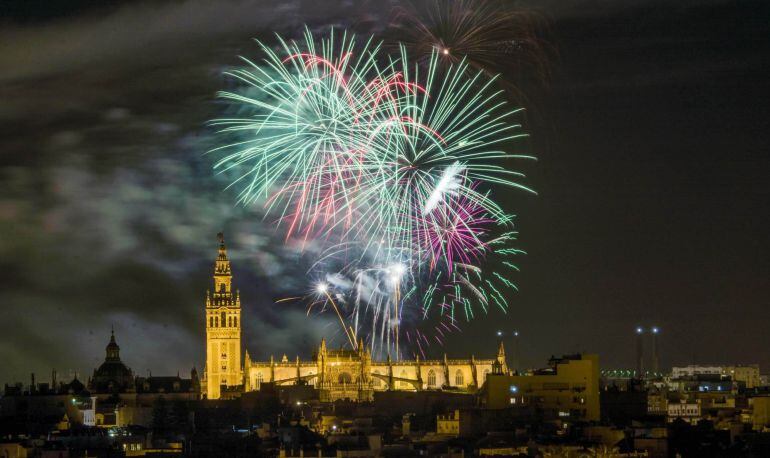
(651, 206)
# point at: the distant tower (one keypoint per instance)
(223, 329)
(639, 352)
(655, 366)
(500, 366)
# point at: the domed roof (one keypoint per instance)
(113, 369)
(112, 375)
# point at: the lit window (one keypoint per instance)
(223, 319)
(431, 378)
(459, 379)
(235, 321)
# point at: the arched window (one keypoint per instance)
(216, 322)
(459, 379)
(223, 319)
(431, 378)
(259, 380)
(211, 321)
(235, 321)
(230, 321)
(344, 377)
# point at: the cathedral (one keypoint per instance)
(335, 373)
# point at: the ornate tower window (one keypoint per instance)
(224, 315)
(235, 321)
(459, 379)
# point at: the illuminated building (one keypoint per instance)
(335, 373)
(689, 412)
(748, 375)
(223, 329)
(760, 412)
(568, 389)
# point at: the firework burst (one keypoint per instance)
(387, 166)
(490, 35)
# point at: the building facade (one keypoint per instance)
(223, 329)
(568, 389)
(336, 373)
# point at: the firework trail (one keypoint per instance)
(387, 165)
(495, 36)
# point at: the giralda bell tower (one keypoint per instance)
(223, 329)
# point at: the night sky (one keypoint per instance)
(652, 205)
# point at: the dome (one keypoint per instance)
(112, 375)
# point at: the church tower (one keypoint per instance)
(223, 329)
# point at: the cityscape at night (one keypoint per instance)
(364, 228)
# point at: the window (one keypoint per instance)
(211, 321)
(235, 321)
(230, 321)
(223, 319)
(259, 380)
(344, 377)
(224, 355)
(459, 378)
(216, 322)
(224, 367)
(431, 378)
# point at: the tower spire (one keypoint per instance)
(223, 330)
(112, 350)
